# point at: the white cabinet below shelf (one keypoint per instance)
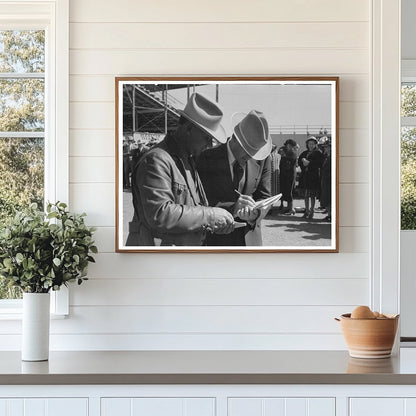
(157, 406)
(44, 407)
(381, 406)
(273, 406)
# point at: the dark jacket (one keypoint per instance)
(287, 177)
(310, 175)
(168, 209)
(326, 182)
(214, 170)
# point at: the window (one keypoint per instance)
(33, 111)
(408, 153)
(22, 124)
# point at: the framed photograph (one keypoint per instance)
(227, 164)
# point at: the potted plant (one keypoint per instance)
(40, 252)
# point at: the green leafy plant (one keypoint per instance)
(42, 251)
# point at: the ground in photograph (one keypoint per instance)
(277, 229)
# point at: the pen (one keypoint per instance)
(238, 193)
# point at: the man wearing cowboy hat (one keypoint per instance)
(236, 175)
(170, 206)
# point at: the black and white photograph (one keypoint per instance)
(227, 164)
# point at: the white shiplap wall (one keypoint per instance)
(210, 301)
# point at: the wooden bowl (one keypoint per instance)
(369, 338)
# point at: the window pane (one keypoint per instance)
(22, 105)
(22, 51)
(21, 173)
(408, 178)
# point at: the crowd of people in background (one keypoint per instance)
(307, 173)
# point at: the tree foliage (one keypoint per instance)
(408, 196)
(408, 179)
(408, 105)
(21, 174)
(21, 109)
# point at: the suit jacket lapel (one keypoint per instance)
(252, 176)
(223, 169)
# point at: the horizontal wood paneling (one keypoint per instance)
(354, 115)
(145, 342)
(218, 11)
(96, 199)
(354, 142)
(194, 319)
(92, 115)
(187, 341)
(97, 143)
(220, 62)
(218, 291)
(92, 169)
(99, 88)
(104, 238)
(221, 35)
(200, 319)
(354, 239)
(95, 88)
(231, 266)
(354, 205)
(354, 169)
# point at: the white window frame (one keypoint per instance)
(53, 17)
(385, 184)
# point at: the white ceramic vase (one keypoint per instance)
(35, 326)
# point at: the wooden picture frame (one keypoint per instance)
(295, 109)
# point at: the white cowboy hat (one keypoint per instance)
(206, 115)
(252, 132)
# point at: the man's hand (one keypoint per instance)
(244, 201)
(223, 221)
(248, 214)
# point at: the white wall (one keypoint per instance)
(214, 301)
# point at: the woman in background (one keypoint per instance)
(310, 162)
(288, 161)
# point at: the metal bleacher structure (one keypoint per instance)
(150, 109)
(150, 112)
